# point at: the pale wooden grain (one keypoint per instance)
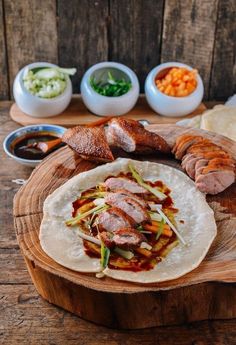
(4, 87)
(139, 33)
(189, 33)
(31, 33)
(223, 75)
(78, 114)
(27, 319)
(82, 35)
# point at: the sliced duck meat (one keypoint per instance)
(126, 238)
(131, 136)
(216, 167)
(190, 166)
(89, 143)
(201, 163)
(114, 219)
(215, 182)
(184, 138)
(114, 183)
(186, 158)
(201, 148)
(215, 154)
(222, 161)
(126, 194)
(131, 207)
(181, 148)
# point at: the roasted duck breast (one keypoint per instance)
(131, 136)
(89, 142)
(212, 168)
(126, 238)
(114, 219)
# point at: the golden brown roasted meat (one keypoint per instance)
(183, 143)
(131, 136)
(212, 168)
(89, 143)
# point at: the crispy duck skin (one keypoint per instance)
(90, 143)
(216, 154)
(126, 238)
(217, 166)
(128, 205)
(212, 168)
(203, 147)
(187, 141)
(114, 219)
(184, 139)
(131, 136)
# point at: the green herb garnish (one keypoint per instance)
(75, 220)
(112, 87)
(105, 254)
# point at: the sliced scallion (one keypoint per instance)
(105, 254)
(75, 220)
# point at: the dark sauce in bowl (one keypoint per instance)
(22, 147)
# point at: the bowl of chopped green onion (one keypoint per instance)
(109, 88)
(43, 89)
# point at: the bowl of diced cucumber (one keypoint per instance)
(43, 89)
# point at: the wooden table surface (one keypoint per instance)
(25, 318)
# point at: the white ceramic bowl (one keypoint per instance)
(36, 106)
(8, 143)
(103, 105)
(169, 105)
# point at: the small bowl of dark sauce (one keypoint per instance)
(31, 144)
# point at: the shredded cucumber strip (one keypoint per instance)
(140, 181)
(126, 254)
(88, 238)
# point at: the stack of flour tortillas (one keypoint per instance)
(221, 119)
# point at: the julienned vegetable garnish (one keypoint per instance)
(105, 254)
(109, 230)
(75, 220)
(171, 225)
(112, 87)
(140, 181)
(47, 82)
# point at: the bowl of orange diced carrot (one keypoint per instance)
(174, 89)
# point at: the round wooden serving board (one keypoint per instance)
(205, 293)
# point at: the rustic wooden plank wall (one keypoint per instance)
(139, 33)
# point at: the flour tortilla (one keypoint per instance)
(199, 229)
(222, 120)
